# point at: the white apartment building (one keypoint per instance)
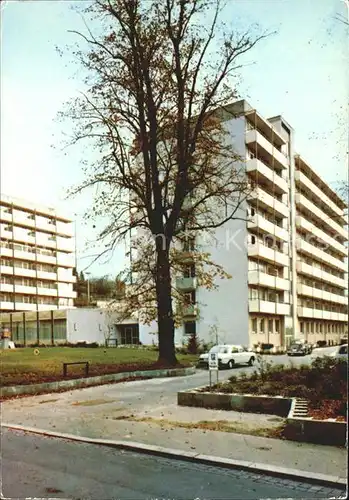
(287, 259)
(37, 254)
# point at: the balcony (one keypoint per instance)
(65, 244)
(265, 226)
(5, 252)
(307, 312)
(22, 236)
(262, 174)
(4, 215)
(268, 254)
(186, 283)
(23, 255)
(323, 198)
(23, 306)
(66, 291)
(44, 275)
(46, 259)
(308, 249)
(257, 141)
(309, 291)
(305, 225)
(264, 306)
(7, 306)
(263, 279)
(25, 289)
(315, 272)
(6, 270)
(190, 310)
(47, 307)
(6, 287)
(302, 201)
(27, 273)
(47, 292)
(268, 202)
(64, 228)
(65, 260)
(23, 219)
(66, 276)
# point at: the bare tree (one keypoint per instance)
(159, 85)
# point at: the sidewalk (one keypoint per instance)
(79, 414)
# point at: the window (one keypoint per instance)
(189, 271)
(52, 237)
(301, 326)
(190, 328)
(261, 325)
(31, 216)
(190, 298)
(253, 239)
(8, 228)
(31, 233)
(189, 245)
(8, 210)
(52, 221)
(343, 350)
(130, 335)
(254, 325)
(270, 326)
(277, 326)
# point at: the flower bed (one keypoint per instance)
(323, 385)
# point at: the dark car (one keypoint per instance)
(299, 349)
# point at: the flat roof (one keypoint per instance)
(32, 207)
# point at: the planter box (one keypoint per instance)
(299, 427)
(311, 430)
(273, 405)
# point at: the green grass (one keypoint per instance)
(22, 366)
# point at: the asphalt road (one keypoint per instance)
(41, 467)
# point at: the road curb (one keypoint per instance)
(257, 468)
(82, 383)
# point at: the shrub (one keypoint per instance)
(193, 344)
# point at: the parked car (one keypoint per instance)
(299, 349)
(339, 352)
(229, 356)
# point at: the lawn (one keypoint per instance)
(23, 366)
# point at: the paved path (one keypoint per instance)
(41, 467)
(96, 411)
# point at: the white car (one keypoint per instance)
(229, 356)
(339, 352)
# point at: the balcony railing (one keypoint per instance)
(264, 173)
(263, 279)
(307, 226)
(183, 283)
(257, 221)
(310, 291)
(268, 254)
(312, 251)
(304, 268)
(276, 157)
(265, 306)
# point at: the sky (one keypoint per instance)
(301, 72)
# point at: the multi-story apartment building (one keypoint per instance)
(37, 257)
(287, 258)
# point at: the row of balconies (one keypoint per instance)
(18, 217)
(62, 259)
(303, 180)
(61, 291)
(263, 279)
(312, 251)
(304, 202)
(315, 272)
(268, 307)
(271, 255)
(307, 312)
(21, 306)
(40, 239)
(62, 275)
(310, 291)
(304, 224)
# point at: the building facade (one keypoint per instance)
(287, 260)
(37, 254)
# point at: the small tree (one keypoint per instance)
(160, 78)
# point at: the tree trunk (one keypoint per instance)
(167, 354)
